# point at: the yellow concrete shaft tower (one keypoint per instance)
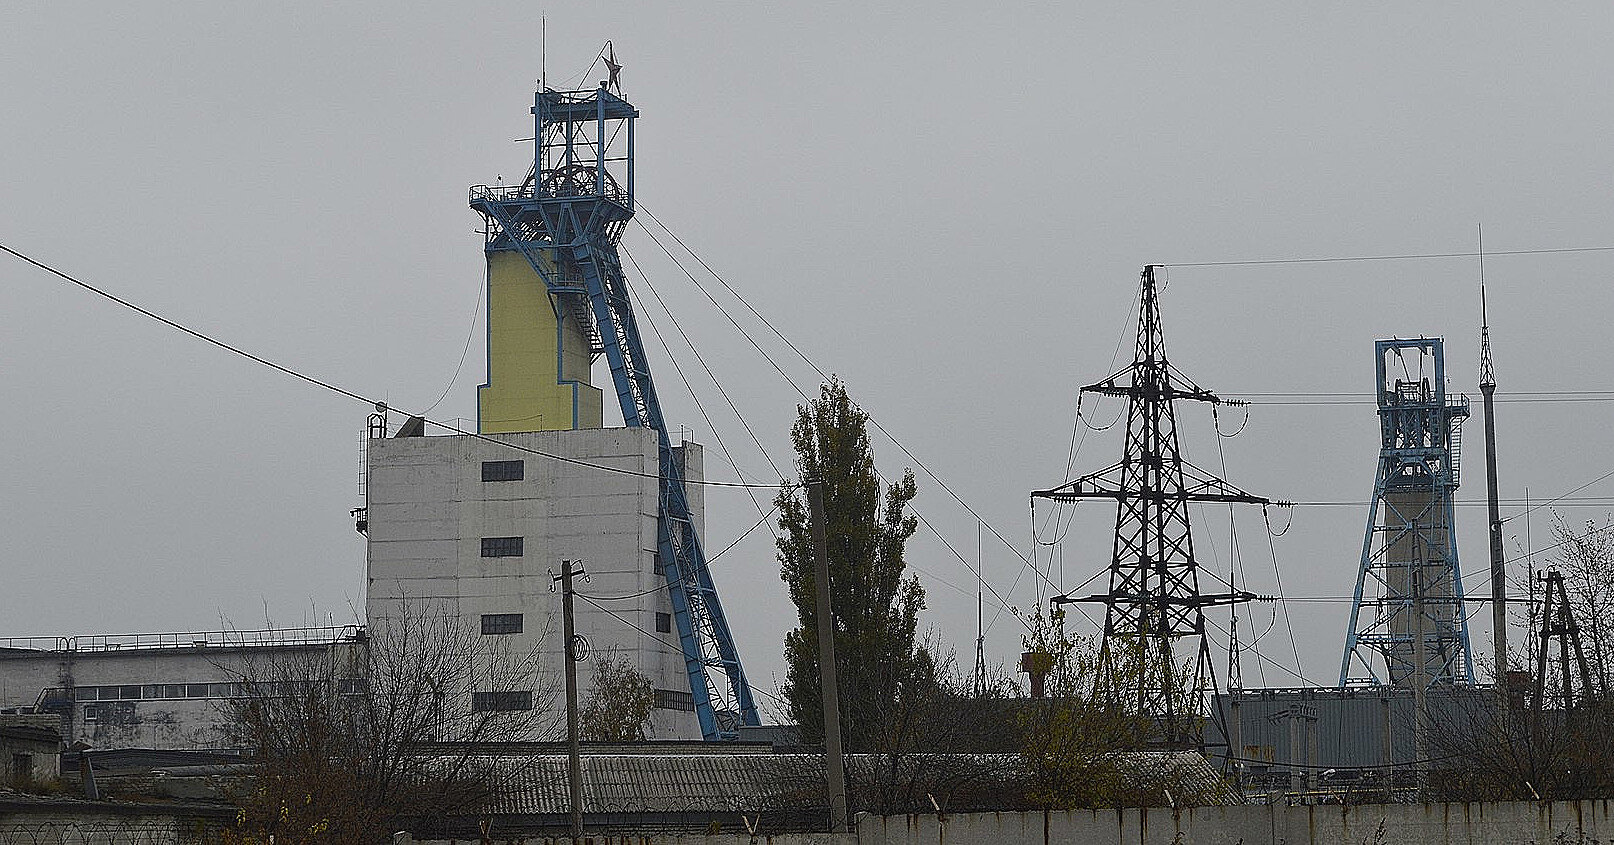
(538, 355)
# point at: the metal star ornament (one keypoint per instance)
(615, 69)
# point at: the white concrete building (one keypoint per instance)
(470, 526)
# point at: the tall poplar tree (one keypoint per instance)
(875, 605)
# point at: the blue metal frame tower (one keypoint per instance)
(1409, 583)
(566, 219)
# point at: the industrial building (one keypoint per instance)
(474, 525)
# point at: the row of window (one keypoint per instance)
(502, 546)
(137, 692)
(481, 702)
(511, 623)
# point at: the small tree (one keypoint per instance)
(875, 604)
(619, 702)
(1073, 736)
(1511, 747)
(947, 738)
(350, 739)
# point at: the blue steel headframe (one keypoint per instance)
(1411, 531)
(567, 218)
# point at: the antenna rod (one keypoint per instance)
(980, 618)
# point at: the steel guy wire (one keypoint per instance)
(717, 435)
(1400, 257)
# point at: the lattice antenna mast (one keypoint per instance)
(1487, 379)
(1154, 657)
(566, 220)
(1411, 529)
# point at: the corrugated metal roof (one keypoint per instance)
(749, 783)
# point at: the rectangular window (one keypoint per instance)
(664, 623)
(196, 690)
(671, 699)
(483, 702)
(501, 546)
(503, 470)
(501, 623)
(22, 768)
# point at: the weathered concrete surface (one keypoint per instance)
(429, 510)
(56, 819)
(1499, 823)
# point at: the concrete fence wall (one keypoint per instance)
(1499, 823)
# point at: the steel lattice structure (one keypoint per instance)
(1409, 582)
(1155, 655)
(567, 219)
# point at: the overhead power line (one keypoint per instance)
(342, 391)
(1399, 257)
(826, 377)
(1585, 501)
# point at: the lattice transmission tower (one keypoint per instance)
(1408, 626)
(1154, 656)
(566, 219)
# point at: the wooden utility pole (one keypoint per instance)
(574, 770)
(825, 619)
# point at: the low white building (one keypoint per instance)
(164, 691)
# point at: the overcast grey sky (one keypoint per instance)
(945, 203)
